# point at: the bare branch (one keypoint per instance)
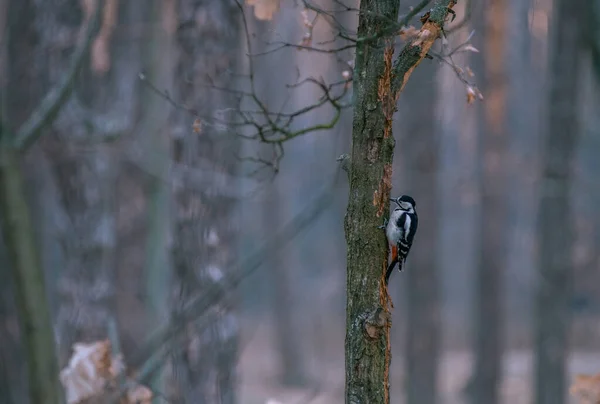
(415, 10)
(416, 50)
(156, 348)
(49, 107)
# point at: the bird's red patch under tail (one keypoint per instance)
(394, 253)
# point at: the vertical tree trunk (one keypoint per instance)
(420, 157)
(378, 80)
(86, 287)
(204, 236)
(489, 330)
(522, 103)
(159, 57)
(555, 222)
(287, 336)
(31, 326)
(100, 109)
(16, 94)
(32, 305)
(368, 321)
(279, 202)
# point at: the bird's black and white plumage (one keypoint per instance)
(400, 231)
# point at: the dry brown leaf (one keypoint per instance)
(264, 9)
(408, 33)
(424, 34)
(89, 370)
(471, 95)
(586, 388)
(138, 395)
(100, 48)
(197, 126)
(470, 48)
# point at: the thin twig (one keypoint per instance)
(241, 270)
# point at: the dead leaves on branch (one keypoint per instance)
(464, 74)
(472, 94)
(93, 370)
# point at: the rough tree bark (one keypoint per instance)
(420, 158)
(377, 83)
(208, 39)
(83, 162)
(493, 228)
(556, 244)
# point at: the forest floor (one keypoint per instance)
(324, 366)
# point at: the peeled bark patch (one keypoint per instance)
(381, 195)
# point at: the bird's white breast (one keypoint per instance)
(393, 232)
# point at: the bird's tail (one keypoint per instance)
(400, 261)
(390, 269)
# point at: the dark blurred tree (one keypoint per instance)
(419, 154)
(493, 226)
(280, 265)
(83, 162)
(17, 95)
(555, 231)
(19, 129)
(204, 234)
(378, 80)
(288, 339)
(159, 58)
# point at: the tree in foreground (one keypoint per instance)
(378, 80)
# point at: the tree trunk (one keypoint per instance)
(555, 221)
(100, 109)
(493, 231)
(289, 340)
(377, 83)
(204, 236)
(420, 157)
(154, 140)
(34, 331)
(32, 305)
(280, 200)
(86, 286)
(368, 321)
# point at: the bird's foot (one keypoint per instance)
(384, 225)
(450, 11)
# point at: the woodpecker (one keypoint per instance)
(400, 231)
